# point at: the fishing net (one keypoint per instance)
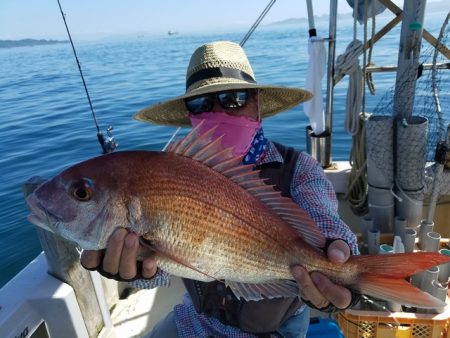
(416, 137)
(433, 92)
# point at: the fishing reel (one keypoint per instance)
(109, 143)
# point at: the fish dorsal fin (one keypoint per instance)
(201, 148)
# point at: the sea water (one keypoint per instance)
(46, 124)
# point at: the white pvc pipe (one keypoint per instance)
(440, 292)
(409, 206)
(399, 226)
(424, 229)
(444, 269)
(431, 242)
(373, 241)
(366, 225)
(379, 149)
(409, 239)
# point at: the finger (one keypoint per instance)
(308, 289)
(337, 295)
(338, 251)
(114, 251)
(128, 259)
(91, 259)
(149, 267)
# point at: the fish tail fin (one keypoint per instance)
(383, 276)
(397, 290)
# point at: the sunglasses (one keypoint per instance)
(227, 100)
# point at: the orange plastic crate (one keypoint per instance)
(380, 324)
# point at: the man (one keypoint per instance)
(221, 92)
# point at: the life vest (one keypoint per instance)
(259, 317)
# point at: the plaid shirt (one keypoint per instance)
(313, 192)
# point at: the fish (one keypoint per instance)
(207, 217)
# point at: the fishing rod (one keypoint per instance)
(109, 144)
(257, 22)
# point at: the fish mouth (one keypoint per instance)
(40, 216)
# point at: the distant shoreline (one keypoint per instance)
(432, 7)
(29, 42)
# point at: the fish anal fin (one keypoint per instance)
(268, 290)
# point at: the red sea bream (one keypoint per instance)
(208, 217)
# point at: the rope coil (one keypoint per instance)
(348, 64)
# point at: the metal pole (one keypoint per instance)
(312, 27)
(408, 56)
(330, 70)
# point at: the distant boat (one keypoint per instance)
(172, 33)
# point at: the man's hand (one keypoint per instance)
(120, 257)
(317, 288)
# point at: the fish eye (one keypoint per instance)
(81, 190)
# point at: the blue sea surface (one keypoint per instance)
(46, 124)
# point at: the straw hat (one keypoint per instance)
(221, 66)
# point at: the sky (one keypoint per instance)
(91, 19)
(95, 18)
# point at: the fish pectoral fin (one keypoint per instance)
(256, 291)
(177, 260)
(134, 211)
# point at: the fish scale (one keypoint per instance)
(228, 229)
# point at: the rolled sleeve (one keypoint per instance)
(161, 278)
(313, 192)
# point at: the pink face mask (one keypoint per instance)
(238, 131)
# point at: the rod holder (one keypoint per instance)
(423, 279)
(411, 151)
(365, 226)
(431, 242)
(382, 208)
(373, 241)
(440, 292)
(444, 269)
(424, 228)
(319, 146)
(399, 226)
(379, 148)
(409, 239)
(409, 206)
